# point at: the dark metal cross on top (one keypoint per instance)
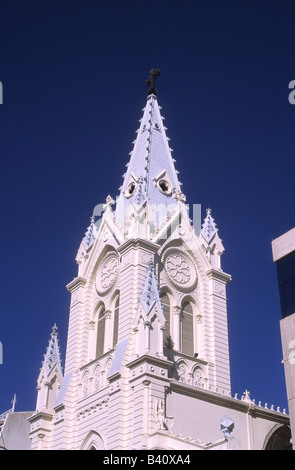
(154, 73)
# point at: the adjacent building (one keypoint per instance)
(283, 249)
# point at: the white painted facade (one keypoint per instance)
(147, 359)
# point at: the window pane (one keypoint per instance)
(187, 330)
(116, 322)
(100, 333)
(166, 311)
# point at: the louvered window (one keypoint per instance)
(100, 333)
(166, 311)
(187, 330)
(116, 322)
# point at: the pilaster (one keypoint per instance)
(74, 354)
(40, 432)
(218, 350)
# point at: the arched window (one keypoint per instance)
(100, 332)
(116, 322)
(85, 384)
(97, 378)
(93, 441)
(166, 311)
(280, 439)
(187, 329)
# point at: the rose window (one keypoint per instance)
(180, 269)
(107, 274)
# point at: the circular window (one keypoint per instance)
(107, 273)
(130, 189)
(180, 269)
(164, 187)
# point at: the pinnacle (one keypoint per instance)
(150, 292)
(52, 355)
(209, 228)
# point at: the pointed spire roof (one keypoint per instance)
(90, 234)
(151, 175)
(209, 228)
(150, 293)
(52, 356)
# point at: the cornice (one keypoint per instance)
(138, 243)
(40, 415)
(76, 283)
(156, 361)
(229, 402)
(220, 275)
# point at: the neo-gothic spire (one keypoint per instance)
(151, 175)
(90, 234)
(52, 356)
(209, 227)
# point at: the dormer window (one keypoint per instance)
(164, 186)
(131, 186)
(163, 183)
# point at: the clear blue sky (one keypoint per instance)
(73, 75)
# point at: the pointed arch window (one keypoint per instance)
(116, 322)
(166, 310)
(187, 329)
(100, 332)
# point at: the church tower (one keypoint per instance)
(147, 337)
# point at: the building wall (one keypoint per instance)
(284, 256)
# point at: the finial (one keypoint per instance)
(13, 402)
(109, 202)
(209, 227)
(154, 73)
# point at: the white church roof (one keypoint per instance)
(151, 175)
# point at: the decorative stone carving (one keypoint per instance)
(219, 288)
(182, 372)
(163, 422)
(198, 377)
(180, 269)
(209, 227)
(85, 385)
(160, 418)
(107, 273)
(226, 426)
(97, 378)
